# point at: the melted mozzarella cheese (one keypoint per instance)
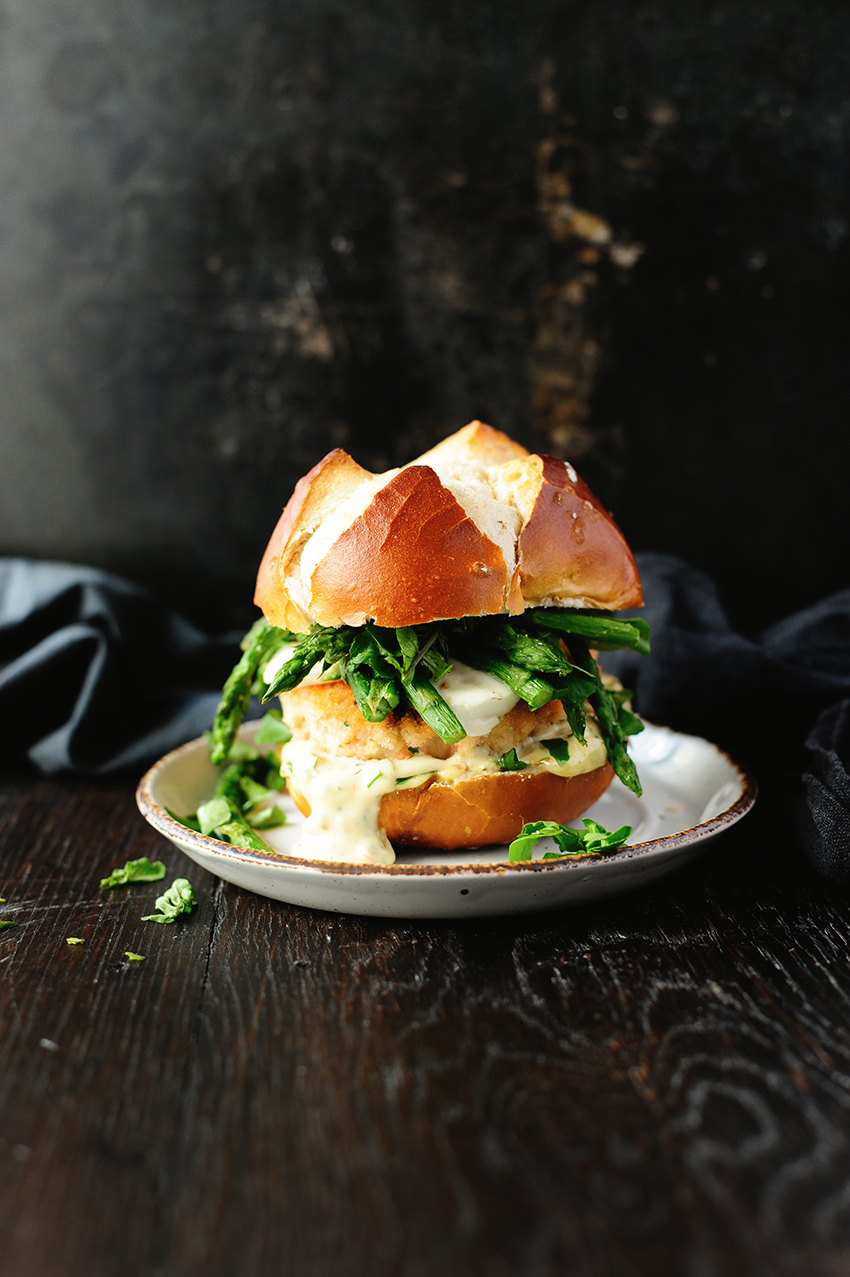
(478, 699)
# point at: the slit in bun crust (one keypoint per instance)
(475, 527)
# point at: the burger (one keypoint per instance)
(432, 634)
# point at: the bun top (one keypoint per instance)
(474, 527)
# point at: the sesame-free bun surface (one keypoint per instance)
(475, 527)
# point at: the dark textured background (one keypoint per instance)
(234, 233)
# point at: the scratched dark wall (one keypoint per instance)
(235, 233)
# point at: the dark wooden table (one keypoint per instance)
(658, 1085)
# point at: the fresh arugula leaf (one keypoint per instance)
(240, 834)
(528, 837)
(133, 957)
(6, 922)
(141, 870)
(272, 730)
(593, 840)
(267, 818)
(74, 940)
(509, 762)
(256, 793)
(212, 814)
(178, 899)
(559, 749)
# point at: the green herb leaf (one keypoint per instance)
(559, 749)
(272, 730)
(74, 940)
(179, 898)
(528, 837)
(240, 834)
(5, 922)
(509, 762)
(134, 957)
(212, 814)
(141, 870)
(593, 840)
(267, 818)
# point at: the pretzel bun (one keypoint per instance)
(474, 527)
(488, 809)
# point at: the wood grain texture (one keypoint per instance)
(655, 1087)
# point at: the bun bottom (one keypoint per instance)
(487, 809)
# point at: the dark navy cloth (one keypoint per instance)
(778, 702)
(98, 676)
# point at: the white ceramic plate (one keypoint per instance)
(692, 792)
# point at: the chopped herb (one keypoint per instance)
(141, 870)
(267, 818)
(593, 840)
(559, 749)
(179, 898)
(212, 814)
(75, 940)
(272, 730)
(134, 957)
(244, 801)
(5, 922)
(509, 762)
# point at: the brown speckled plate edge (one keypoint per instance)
(171, 829)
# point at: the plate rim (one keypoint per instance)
(159, 818)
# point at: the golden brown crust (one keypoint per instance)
(483, 527)
(412, 556)
(331, 481)
(569, 547)
(488, 809)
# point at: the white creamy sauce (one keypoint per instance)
(478, 699)
(344, 794)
